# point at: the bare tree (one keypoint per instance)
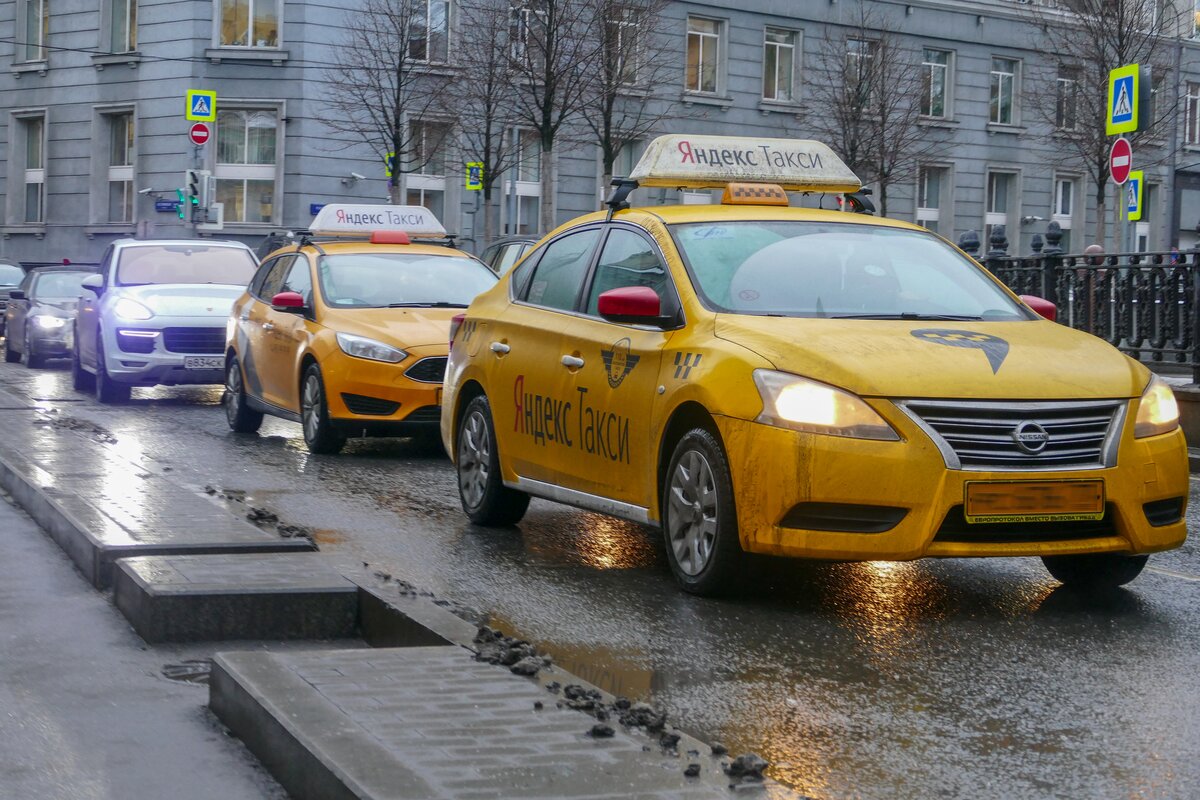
(553, 49)
(634, 60)
(381, 88)
(1083, 41)
(870, 100)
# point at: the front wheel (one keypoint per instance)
(108, 390)
(241, 418)
(32, 359)
(699, 520)
(485, 498)
(81, 379)
(10, 356)
(1095, 572)
(319, 433)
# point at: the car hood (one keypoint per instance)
(399, 327)
(1027, 360)
(184, 299)
(56, 307)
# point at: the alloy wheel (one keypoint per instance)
(474, 454)
(310, 407)
(692, 520)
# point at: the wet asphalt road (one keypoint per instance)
(956, 679)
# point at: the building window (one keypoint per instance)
(249, 23)
(999, 198)
(124, 26)
(1066, 107)
(429, 33)
(524, 17)
(779, 64)
(34, 131)
(860, 77)
(703, 55)
(1063, 211)
(1192, 123)
(529, 154)
(247, 147)
(524, 195)
(1003, 91)
(626, 43)
(930, 184)
(37, 29)
(426, 186)
(935, 77)
(120, 168)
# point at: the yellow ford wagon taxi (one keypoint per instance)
(754, 377)
(346, 332)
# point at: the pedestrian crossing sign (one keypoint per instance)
(1133, 195)
(1123, 99)
(201, 105)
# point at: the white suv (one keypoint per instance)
(156, 313)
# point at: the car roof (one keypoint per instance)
(517, 237)
(335, 247)
(181, 243)
(672, 215)
(41, 268)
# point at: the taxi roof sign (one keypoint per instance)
(711, 162)
(346, 219)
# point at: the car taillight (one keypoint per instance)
(455, 323)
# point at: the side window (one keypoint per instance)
(273, 282)
(559, 273)
(106, 264)
(299, 280)
(257, 281)
(508, 256)
(628, 260)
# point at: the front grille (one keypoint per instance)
(428, 370)
(955, 528)
(206, 341)
(369, 406)
(983, 435)
(425, 414)
(135, 344)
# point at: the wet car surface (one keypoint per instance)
(976, 678)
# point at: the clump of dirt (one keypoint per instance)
(493, 647)
(746, 768)
(68, 423)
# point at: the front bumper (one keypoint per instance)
(372, 398)
(776, 470)
(50, 343)
(160, 366)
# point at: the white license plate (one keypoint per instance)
(204, 362)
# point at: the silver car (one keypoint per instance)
(155, 314)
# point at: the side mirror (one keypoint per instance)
(288, 302)
(94, 283)
(16, 294)
(632, 305)
(1044, 308)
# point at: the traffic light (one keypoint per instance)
(191, 183)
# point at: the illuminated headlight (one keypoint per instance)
(47, 322)
(362, 347)
(1157, 412)
(790, 401)
(131, 309)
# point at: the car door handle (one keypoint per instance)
(268, 326)
(572, 362)
(500, 348)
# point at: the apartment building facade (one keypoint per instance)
(93, 129)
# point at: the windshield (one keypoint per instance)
(394, 280)
(184, 263)
(821, 269)
(59, 285)
(10, 275)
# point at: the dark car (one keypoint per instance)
(10, 277)
(40, 312)
(502, 254)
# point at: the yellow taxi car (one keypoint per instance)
(346, 332)
(755, 377)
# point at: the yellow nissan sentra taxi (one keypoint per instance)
(754, 377)
(346, 332)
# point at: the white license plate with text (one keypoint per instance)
(204, 362)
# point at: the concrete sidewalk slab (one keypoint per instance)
(241, 596)
(428, 722)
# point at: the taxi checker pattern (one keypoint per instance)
(821, 424)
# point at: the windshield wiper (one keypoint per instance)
(427, 305)
(910, 315)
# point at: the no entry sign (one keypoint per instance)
(1120, 161)
(199, 133)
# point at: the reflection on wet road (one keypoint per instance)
(876, 680)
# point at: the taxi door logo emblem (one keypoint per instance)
(995, 348)
(619, 362)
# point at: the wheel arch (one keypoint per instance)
(688, 415)
(469, 391)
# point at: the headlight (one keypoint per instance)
(790, 401)
(362, 347)
(48, 322)
(131, 309)
(1157, 412)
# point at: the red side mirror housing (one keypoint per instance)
(288, 301)
(632, 305)
(1044, 308)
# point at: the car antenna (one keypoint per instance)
(617, 201)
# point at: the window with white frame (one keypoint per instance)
(1063, 210)
(36, 29)
(120, 168)
(931, 183)
(33, 130)
(523, 196)
(248, 23)
(1192, 115)
(1142, 228)
(999, 204)
(703, 55)
(625, 40)
(429, 31)
(526, 19)
(123, 26)
(861, 78)
(246, 168)
(426, 184)
(935, 82)
(1066, 109)
(779, 64)
(1003, 102)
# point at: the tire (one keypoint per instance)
(10, 356)
(1095, 572)
(699, 519)
(319, 434)
(32, 360)
(241, 418)
(108, 390)
(81, 379)
(485, 498)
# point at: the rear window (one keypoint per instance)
(399, 280)
(10, 275)
(189, 263)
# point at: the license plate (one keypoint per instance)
(204, 362)
(1033, 501)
